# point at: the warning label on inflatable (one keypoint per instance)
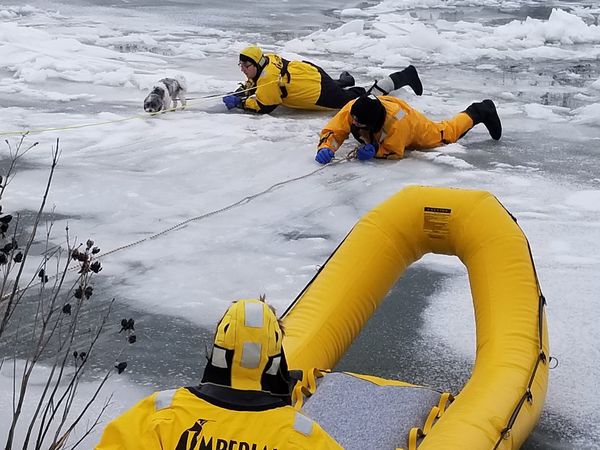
(436, 222)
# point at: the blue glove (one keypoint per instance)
(232, 101)
(365, 152)
(324, 155)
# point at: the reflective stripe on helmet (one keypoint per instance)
(253, 313)
(251, 352)
(274, 366)
(218, 357)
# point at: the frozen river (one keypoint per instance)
(86, 62)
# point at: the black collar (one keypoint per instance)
(237, 399)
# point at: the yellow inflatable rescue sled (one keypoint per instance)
(501, 402)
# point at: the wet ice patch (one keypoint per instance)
(589, 114)
(353, 12)
(441, 157)
(587, 200)
(15, 12)
(544, 112)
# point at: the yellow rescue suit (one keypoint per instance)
(243, 402)
(295, 84)
(181, 420)
(404, 128)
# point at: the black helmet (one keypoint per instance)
(368, 112)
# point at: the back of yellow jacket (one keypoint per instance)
(295, 84)
(181, 419)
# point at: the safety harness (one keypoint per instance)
(284, 72)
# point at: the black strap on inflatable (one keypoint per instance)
(542, 357)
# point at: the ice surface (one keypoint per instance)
(129, 177)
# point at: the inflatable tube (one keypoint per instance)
(502, 401)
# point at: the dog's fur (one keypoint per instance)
(164, 95)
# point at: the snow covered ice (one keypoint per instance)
(64, 66)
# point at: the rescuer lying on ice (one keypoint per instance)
(273, 81)
(243, 402)
(386, 126)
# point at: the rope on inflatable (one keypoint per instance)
(416, 434)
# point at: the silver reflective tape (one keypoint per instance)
(164, 399)
(218, 358)
(253, 315)
(250, 355)
(385, 85)
(274, 366)
(303, 424)
(400, 114)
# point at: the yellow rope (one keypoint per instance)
(123, 119)
(416, 434)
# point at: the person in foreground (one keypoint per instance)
(273, 81)
(386, 126)
(242, 403)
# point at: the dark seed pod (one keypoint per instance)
(121, 367)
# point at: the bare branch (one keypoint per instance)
(37, 219)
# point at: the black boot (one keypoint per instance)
(485, 112)
(408, 77)
(345, 80)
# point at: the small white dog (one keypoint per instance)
(164, 95)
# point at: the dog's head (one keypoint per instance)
(153, 103)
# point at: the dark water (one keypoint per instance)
(263, 20)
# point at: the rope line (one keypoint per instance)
(208, 214)
(240, 202)
(124, 119)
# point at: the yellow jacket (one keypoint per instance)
(182, 419)
(295, 84)
(404, 128)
